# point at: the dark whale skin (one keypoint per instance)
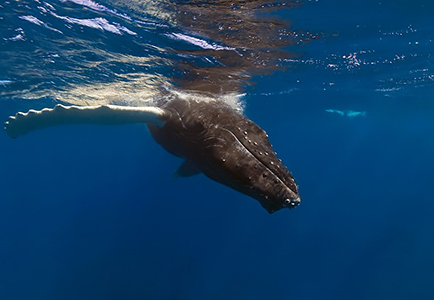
(228, 148)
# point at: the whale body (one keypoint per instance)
(228, 148)
(212, 138)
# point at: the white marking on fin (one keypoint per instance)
(23, 123)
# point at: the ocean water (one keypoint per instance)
(344, 89)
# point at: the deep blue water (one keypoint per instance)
(343, 88)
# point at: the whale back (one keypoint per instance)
(228, 148)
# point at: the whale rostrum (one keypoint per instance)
(212, 138)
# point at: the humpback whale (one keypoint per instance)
(212, 138)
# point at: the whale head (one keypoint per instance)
(228, 148)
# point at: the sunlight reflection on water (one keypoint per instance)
(86, 53)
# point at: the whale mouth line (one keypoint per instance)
(262, 163)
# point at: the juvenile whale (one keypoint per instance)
(211, 136)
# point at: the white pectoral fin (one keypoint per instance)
(23, 123)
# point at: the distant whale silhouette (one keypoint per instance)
(211, 136)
